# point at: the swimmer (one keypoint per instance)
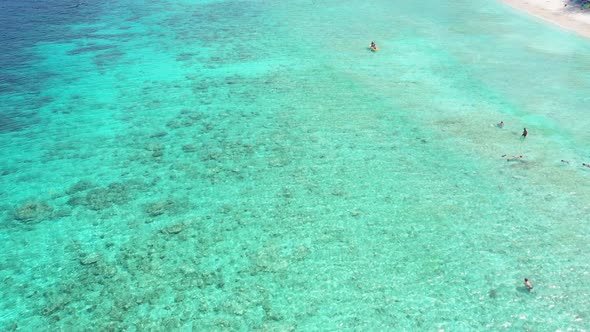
(528, 284)
(500, 124)
(513, 158)
(524, 133)
(565, 161)
(586, 165)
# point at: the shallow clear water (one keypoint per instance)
(250, 165)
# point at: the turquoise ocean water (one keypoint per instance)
(250, 165)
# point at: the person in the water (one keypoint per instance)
(500, 124)
(513, 158)
(524, 133)
(528, 284)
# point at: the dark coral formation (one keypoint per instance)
(188, 148)
(99, 198)
(158, 208)
(33, 212)
(86, 194)
(114, 194)
(79, 186)
(158, 153)
(170, 271)
(157, 149)
(90, 49)
(186, 118)
(159, 134)
(173, 229)
(88, 259)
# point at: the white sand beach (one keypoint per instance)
(568, 17)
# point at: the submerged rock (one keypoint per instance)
(90, 259)
(158, 134)
(158, 208)
(157, 154)
(173, 229)
(355, 213)
(152, 147)
(173, 124)
(189, 148)
(33, 211)
(115, 193)
(76, 200)
(493, 293)
(98, 199)
(81, 185)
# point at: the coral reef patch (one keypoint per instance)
(33, 212)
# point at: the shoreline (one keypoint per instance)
(570, 18)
